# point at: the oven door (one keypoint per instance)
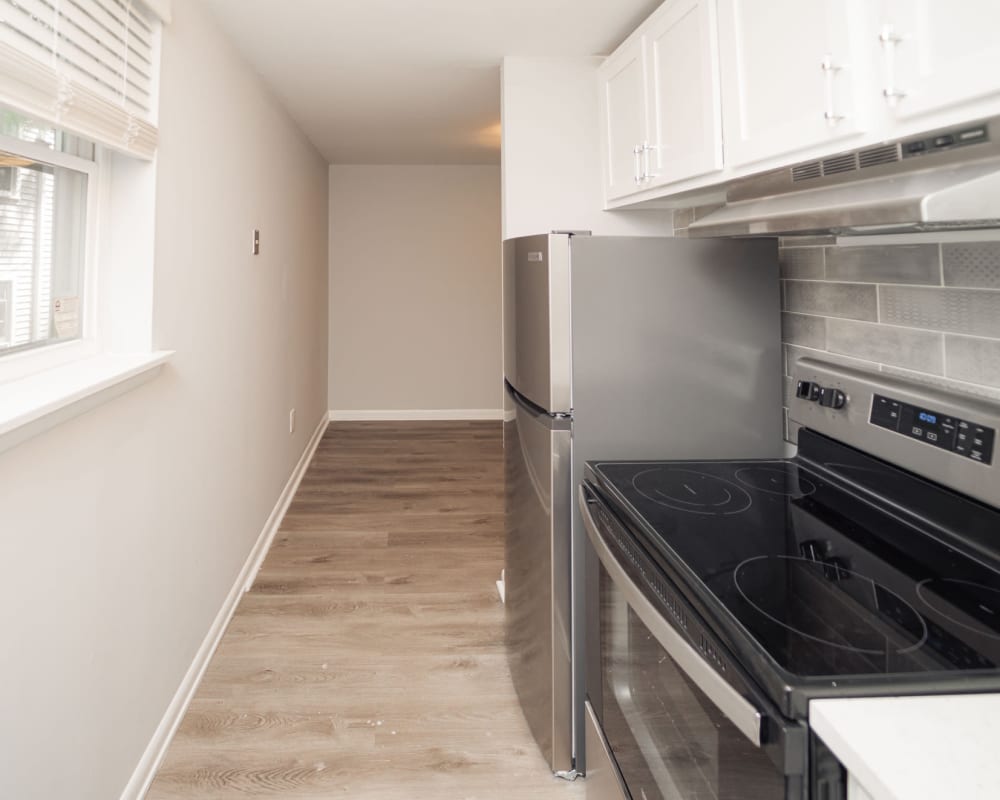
(665, 723)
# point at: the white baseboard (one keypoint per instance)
(141, 779)
(414, 415)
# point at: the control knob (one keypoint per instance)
(808, 390)
(832, 398)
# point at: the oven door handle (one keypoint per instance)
(744, 715)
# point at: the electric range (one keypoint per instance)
(866, 564)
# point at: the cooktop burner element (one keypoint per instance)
(972, 606)
(874, 620)
(829, 569)
(691, 491)
(783, 479)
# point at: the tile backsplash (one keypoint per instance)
(928, 311)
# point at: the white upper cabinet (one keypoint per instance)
(707, 91)
(936, 55)
(683, 102)
(661, 101)
(792, 75)
(624, 117)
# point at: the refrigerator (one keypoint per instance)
(616, 348)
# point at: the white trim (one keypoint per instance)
(160, 8)
(413, 415)
(35, 404)
(151, 759)
(39, 151)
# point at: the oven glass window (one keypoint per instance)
(668, 738)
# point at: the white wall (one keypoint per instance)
(550, 152)
(123, 530)
(415, 291)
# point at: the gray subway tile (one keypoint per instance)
(972, 264)
(801, 262)
(972, 311)
(973, 360)
(703, 211)
(848, 300)
(901, 347)
(806, 241)
(683, 217)
(791, 428)
(909, 263)
(789, 393)
(792, 434)
(805, 330)
(945, 383)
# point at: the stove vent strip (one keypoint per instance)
(849, 162)
(639, 560)
(845, 163)
(806, 171)
(872, 157)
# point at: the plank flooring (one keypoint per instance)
(367, 660)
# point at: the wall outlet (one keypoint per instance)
(291, 421)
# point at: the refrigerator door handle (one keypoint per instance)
(524, 403)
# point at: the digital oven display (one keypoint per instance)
(955, 435)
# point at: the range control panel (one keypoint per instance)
(958, 436)
(945, 436)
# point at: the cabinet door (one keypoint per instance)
(623, 114)
(791, 75)
(936, 55)
(684, 112)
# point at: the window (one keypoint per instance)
(43, 232)
(77, 90)
(78, 107)
(88, 65)
(10, 184)
(6, 292)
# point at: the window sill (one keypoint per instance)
(36, 403)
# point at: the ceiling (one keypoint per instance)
(410, 81)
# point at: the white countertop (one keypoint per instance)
(916, 748)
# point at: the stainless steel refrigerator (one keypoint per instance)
(616, 348)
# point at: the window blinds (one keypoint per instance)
(89, 66)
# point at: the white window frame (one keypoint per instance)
(39, 356)
(10, 189)
(8, 285)
(44, 385)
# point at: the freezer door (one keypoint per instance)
(537, 574)
(536, 293)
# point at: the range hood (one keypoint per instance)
(944, 180)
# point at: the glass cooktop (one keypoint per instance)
(832, 563)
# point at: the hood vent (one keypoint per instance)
(838, 164)
(942, 180)
(807, 171)
(873, 156)
(848, 162)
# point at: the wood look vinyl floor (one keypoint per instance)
(367, 660)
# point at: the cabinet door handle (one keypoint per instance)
(829, 71)
(890, 41)
(637, 155)
(646, 174)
